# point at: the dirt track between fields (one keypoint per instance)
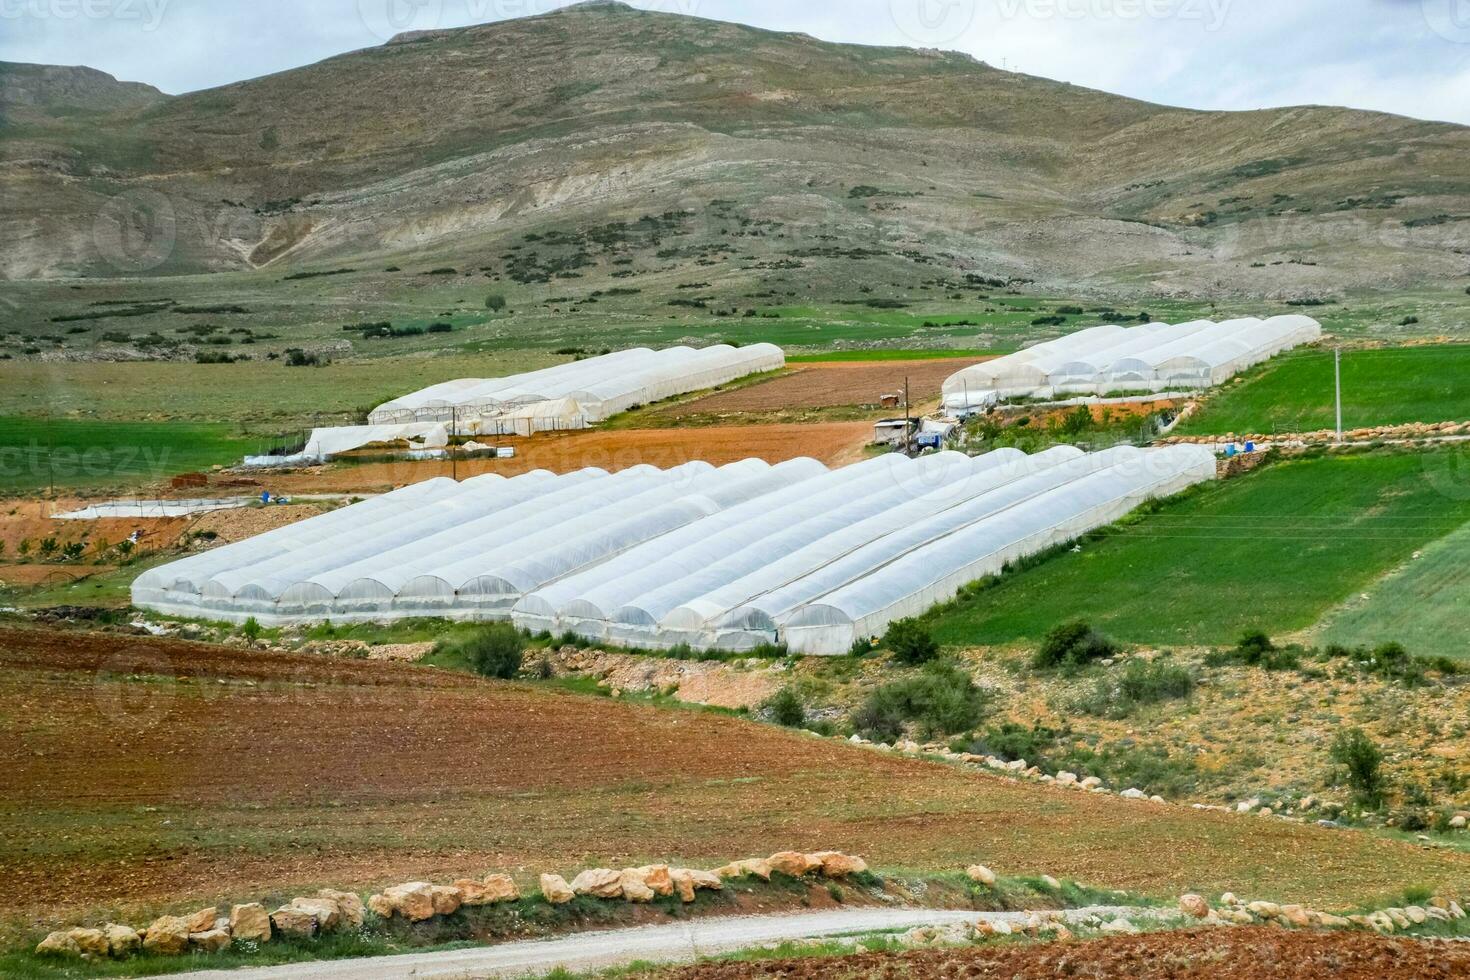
(145, 771)
(1205, 954)
(834, 443)
(836, 384)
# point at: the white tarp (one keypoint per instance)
(729, 557)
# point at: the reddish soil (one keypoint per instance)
(1210, 954)
(25, 576)
(144, 772)
(836, 384)
(612, 449)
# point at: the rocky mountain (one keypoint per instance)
(778, 149)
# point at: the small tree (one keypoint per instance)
(24, 548)
(251, 629)
(1362, 761)
(494, 651)
(495, 302)
(48, 547)
(1071, 646)
(125, 548)
(786, 708)
(910, 642)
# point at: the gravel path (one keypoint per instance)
(679, 942)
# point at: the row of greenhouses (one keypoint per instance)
(1154, 357)
(732, 557)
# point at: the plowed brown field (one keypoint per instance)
(1213, 954)
(835, 384)
(833, 443)
(142, 771)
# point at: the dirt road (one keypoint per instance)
(679, 942)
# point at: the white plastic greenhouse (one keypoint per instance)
(1153, 357)
(731, 557)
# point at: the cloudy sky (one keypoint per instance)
(1404, 56)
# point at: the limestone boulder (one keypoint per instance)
(599, 883)
(328, 916)
(122, 940)
(58, 944)
(250, 922)
(1416, 915)
(658, 878)
(414, 900)
(704, 880)
(1265, 910)
(835, 864)
(167, 935)
(683, 884)
(91, 943)
(1194, 906)
(980, 874)
(203, 920)
(292, 921)
(633, 887)
(1120, 927)
(794, 863)
(1456, 911)
(444, 899)
(1296, 915)
(380, 906)
(1051, 883)
(210, 941)
(349, 905)
(554, 889)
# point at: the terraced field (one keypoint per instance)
(152, 773)
(1272, 550)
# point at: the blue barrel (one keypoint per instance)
(1250, 447)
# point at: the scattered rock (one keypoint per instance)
(203, 920)
(349, 906)
(981, 874)
(598, 883)
(1296, 915)
(1416, 915)
(1051, 883)
(380, 906)
(122, 940)
(631, 884)
(1133, 794)
(328, 916)
(794, 863)
(211, 940)
(1457, 822)
(251, 922)
(292, 921)
(835, 864)
(658, 878)
(554, 889)
(58, 944)
(1090, 783)
(1194, 905)
(445, 899)
(683, 884)
(414, 901)
(168, 935)
(1120, 927)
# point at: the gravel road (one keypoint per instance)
(678, 942)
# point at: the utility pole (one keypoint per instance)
(1337, 370)
(454, 449)
(908, 429)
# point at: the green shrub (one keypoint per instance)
(940, 700)
(1139, 683)
(1072, 646)
(1145, 767)
(1362, 762)
(251, 629)
(494, 651)
(1256, 649)
(786, 708)
(495, 302)
(910, 642)
(1011, 741)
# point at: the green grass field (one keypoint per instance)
(1424, 605)
(1389, 386)
(1273, 550)
(36, 454)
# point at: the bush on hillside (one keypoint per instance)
(1139, 683)
(494, 651)
(910, 642)
(786, 708)
(1256, 649)
(1072, 646)
(1361, 762)
(941, 700)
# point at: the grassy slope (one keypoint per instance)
(1270, 550)
(1424, 605)
(69, 453)
(1380, 387)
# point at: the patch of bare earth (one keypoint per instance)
(1212, 954)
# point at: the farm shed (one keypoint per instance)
(1152, 357)
(729, 557)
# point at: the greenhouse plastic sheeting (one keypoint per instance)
(731, 557)
(1153, 357)
(601, 386)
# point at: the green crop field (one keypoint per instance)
(35, 454)
(1273, 550)
(1389, 386)
(1425, 605)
